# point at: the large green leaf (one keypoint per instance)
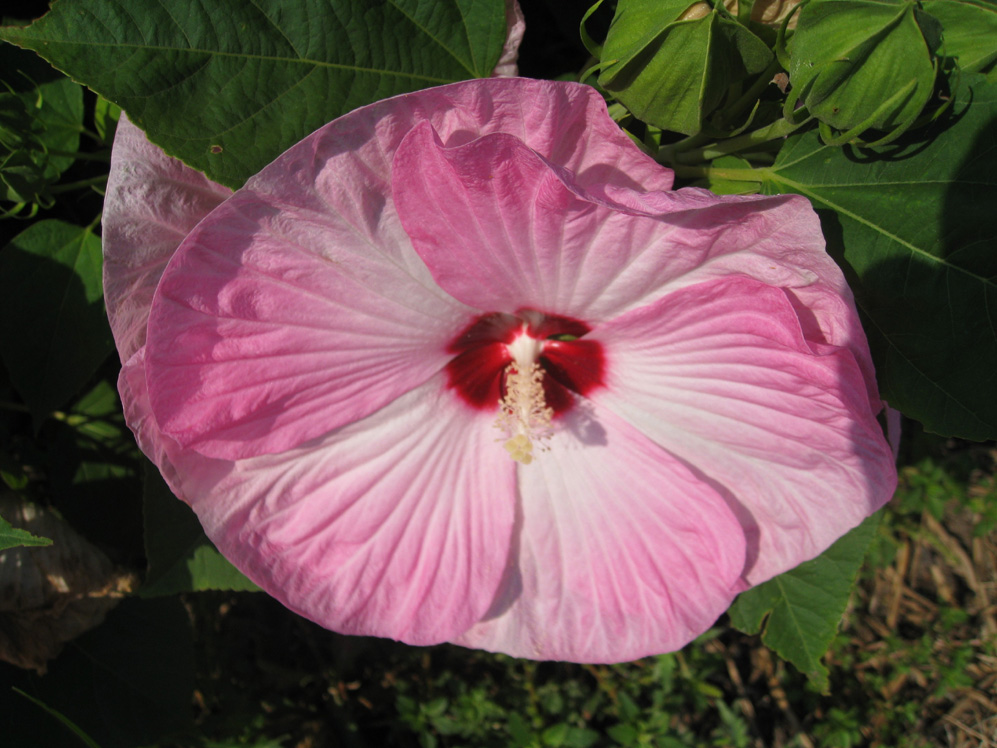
(969, 31)
(227, 85)
(53, 329)
(804, 606)
(181, 558)
(915, 226)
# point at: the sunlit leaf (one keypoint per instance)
(969, 31)
(227, 85)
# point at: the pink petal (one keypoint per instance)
(396, 526)
(152, 202)
(621, 551)
(300, 306)
(721, 375)
(506, 65)
(159, 448)
(275, 325)
(503, 228)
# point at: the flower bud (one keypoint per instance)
(768, 12)
(671, 62)
(863, 64)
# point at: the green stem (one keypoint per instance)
(70, 186)
(776, 130)
(668, 154)
(686, 171)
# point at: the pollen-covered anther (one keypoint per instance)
(523, 413)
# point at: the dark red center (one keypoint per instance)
(570, 363)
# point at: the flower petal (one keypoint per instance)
(516, 24)
(274, 325)
(499, 224)
(721, 375)
(621, 551)
(152, 203)
(398, 525)
(300, 306)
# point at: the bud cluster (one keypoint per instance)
(865, 70)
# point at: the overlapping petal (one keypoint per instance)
(300, 306)
(721, 375)
(398, 525)
(275, 324)
(621, 551)
(501, 226)
(153, 201)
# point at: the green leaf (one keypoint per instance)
(105, 119)
(802, 608)
(12, 472)
(969, 31)
(181, 558)
(12, 537)
(228, 85)
(53, 328)
(915, 228)
(52, 107)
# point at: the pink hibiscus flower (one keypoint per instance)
(460, 366)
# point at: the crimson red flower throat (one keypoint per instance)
(570, 363)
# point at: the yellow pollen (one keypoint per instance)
(523, 413)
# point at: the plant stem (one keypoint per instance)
(668, 154)
(776, 130)
(734, 175)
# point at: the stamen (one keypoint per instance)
(523, 412)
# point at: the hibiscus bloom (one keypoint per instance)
(461, 366)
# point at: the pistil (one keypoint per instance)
(524, 416)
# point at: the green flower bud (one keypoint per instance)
(671, 62)
(768, 12)
(863, 64)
